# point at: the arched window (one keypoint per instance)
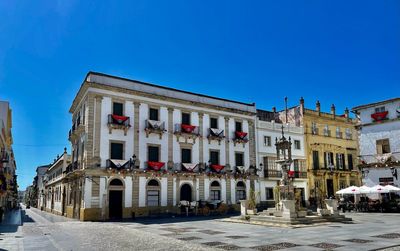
(153, 193)
(215, 191)
(116, 182)
(240, 191)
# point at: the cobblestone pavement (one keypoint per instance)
(44, 231)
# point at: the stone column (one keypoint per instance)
(228, 190)
(97, 130)
(227, 139)
(252, 144)
(170, 195)
(201, 150)
(90, 132)
(201, 188)
(135, 192)
(136, 132)
(170, 163)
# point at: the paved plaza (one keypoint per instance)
(44, 231)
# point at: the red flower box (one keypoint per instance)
(291, 173)
(217, 168)
(155, 165)
(119, 119)
(378, 116)
(241, 135)
(187, 128)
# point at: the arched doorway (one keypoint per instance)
(115, 199)
(186, 192)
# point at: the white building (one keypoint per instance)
(40, 174)
(184, 146)
(379, 139)
(267, 131)
(53, 195)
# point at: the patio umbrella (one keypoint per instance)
(364, 189)
(379, 189)
(349, 190)
(392, 188)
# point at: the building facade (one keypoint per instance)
(331, 148)
(139, 149)
(39, 186)
(8, 177)
(53, 193)
(269, 129)
(379, 139)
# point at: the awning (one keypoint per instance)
(189, 166)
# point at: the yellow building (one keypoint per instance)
(331, 147)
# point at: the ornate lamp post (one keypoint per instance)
(284, 156)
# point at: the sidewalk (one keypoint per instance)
(11, 230)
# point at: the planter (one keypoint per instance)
(324, 212)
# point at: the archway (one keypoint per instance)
(186, 192)
(115, 199)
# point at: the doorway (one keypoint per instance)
(186, 192)
(115, 204)
(329, 188)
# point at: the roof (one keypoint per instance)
(374, 104)
(130, 84)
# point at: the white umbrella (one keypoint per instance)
(349, 190)
(392, 188)
(379, 189)
(364, 189)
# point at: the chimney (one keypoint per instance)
(65, 150)
(302, 105)
(318, 107)
(346, 113)
(274, 109)
(333, 110)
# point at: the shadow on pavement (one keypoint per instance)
(26, 218)
(173, 219)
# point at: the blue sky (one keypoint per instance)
(342, 52)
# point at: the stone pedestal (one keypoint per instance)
(332, 206)
(288, 208)
(323, 212)
(244, 204)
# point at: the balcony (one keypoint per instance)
(154, 126)
(215, 134)
(4, 156)
(240, 138)
(268, 173)
(72, 167)
(76, 130)
(188, 132)
(216, 168)
(118, 122)
(379, 116)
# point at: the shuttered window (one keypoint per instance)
(153, 153)
(117, 150)
(118, 109)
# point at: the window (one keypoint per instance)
(153, 153)
(153, 114)
(269, 193)
(382, 146)
(379, 109)
(267, 140)
(315, 160)
(214, 123)
(350, 161)
(239, 159)
(328, 160)
(214, 157)
(340, 161)
(238, 126)
(186, 118)
(297, 144)
(338, 133)
(240, 191)
(215, 193)
(386, 181)
(327, 132)
(186, 155)
(348, 133)
(117, 151)
(118, 109)
(153, 193)
(314, 129)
